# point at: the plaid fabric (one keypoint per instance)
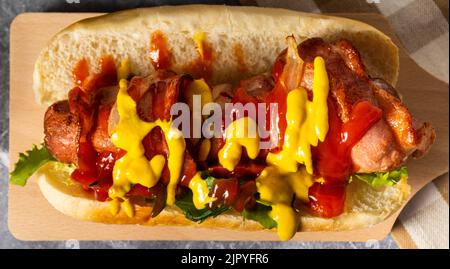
(422, 27)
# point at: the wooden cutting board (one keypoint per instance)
(31, 217)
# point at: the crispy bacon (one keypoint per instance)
(425, 135)
(254, 89)
(414, 137)
(154, 144)
(139, 85)
(89, 116)
(246, 198)
(100, 138)
(348, 85)
(157, 101)
(67, 124)
(387, 144)
(189, 169)
(82, 104)
(250, 169)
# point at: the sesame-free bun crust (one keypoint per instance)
(365, 206)
(260, 32)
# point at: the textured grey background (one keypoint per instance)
(11, 8)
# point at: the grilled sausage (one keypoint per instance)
(62, 130)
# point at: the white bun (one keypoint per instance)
(260, 32)
(365, 206)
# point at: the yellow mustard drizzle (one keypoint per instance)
(200, 192)
(307, 123)
(200, 87)
(133, 167)
(278, 189)
(114, 206)
(124, 69)
(300, 182)
(199, 38)
(287, 220)
(240, 133)
(128, 207)
(177, 145)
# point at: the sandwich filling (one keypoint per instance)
(321, 121)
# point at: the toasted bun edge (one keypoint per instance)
(365, 206)
(259, 32)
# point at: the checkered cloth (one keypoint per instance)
(422, 27)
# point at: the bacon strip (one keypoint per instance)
(348, 84)
(100, 138)
(387, 144)
(244, 169)
(155, 103)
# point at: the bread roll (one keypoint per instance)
(365, 206)
(261, 33)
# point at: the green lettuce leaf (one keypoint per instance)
(208, 179)
(187, 206)
(383, 179)
(28, 163)
(210, 182)
(261, 215)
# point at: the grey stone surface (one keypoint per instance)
(8, 10)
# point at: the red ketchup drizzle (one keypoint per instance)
(201, 67)
(240, 59)
(245, 198)
(99, 178)
(94, 171)
(107, 75)
(333, 157)
(157, 193)
(230, 193)
(278, 95)
(80, 72)
(225, 190)
(160, 55)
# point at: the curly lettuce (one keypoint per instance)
(379, 179)
(28, 163)
(198, 215)
(261, 215)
